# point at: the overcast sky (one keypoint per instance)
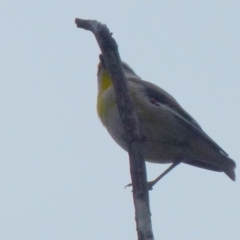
(62, 177)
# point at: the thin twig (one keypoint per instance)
(112, 59)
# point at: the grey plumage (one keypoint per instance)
(169, 133)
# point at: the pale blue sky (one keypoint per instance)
(61, 175)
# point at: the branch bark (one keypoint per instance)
(112, 59)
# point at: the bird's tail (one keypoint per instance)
(228, 168)
(212, 157)
(220, 164)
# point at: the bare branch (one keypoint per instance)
(111, 58)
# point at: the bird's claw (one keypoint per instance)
(129, 185)
(149, 185)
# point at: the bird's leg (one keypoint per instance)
(152, 183)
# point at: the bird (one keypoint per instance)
(169, 133)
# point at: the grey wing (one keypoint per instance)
(157, 95)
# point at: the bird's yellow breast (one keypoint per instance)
(104, 103)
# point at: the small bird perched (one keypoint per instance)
(169, 133)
